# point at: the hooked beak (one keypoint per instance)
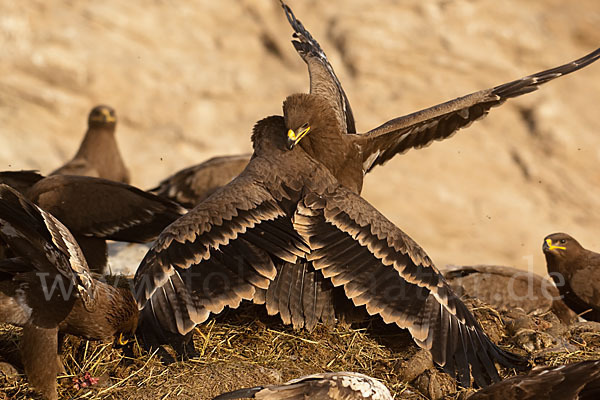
(294, 138)
(107, 117)
(548, 246)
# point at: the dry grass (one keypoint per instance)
(245, 347)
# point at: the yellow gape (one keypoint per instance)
(107, 116)
(293, 138)
(552, 247)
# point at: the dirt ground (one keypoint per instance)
(245, 348)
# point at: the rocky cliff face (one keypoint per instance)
(189, 80)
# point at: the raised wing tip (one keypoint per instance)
(531, 83)
(588, 59)
(300, 31)
(289, 14)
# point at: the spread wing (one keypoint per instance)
(104, 209)
(36, 236)
(331, 385)
(380, 267)
(191, 185)
(323, 80)
(217, 254)
(566, 382)
(440, 122)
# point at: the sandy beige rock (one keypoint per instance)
(189, 81)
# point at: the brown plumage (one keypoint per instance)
(288, 207)
(506, 288)
(331, 385)
(98, 154)
(38, 346)
(96, 210)
(353, 155)
(21, 181)
(577, 381)
(191, 185)
(415, 130)
(290, 214)
(46, 287)
(576, 272)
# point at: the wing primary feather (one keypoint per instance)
(272, 300)
(296, 292)
(308, 301)
(440, 122)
